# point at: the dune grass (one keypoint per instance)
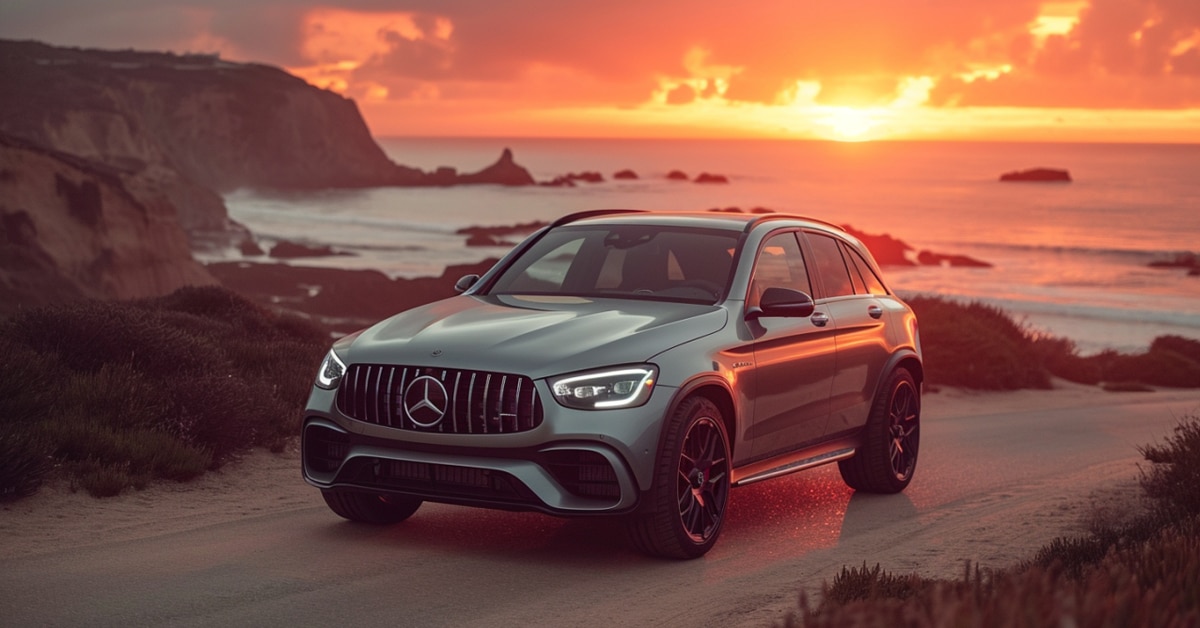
(978, 346)
(1144, 572)
(115, 395)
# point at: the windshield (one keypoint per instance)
(625, 261)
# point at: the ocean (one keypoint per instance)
(1069, 259)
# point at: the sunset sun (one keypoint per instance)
(849, 124)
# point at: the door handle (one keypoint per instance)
(875, 311)
(820, 319)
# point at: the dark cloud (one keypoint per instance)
(1120, 55)
(1123, 52)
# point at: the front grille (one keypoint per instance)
(427, 399)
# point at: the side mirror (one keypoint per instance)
(783, 302)
(465, 282)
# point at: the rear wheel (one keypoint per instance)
(370, 507)
(691, 485)
(888, 457)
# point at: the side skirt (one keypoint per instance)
(828, 452)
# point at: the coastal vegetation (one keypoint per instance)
(113, 395)
(109, 396)
(1140, 571)
(979, 346)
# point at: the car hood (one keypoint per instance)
(535, 336)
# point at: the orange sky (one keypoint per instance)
(1075, 70)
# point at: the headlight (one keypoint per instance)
(621, 387)
(331, 371)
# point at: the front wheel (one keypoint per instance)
(888, 457)
(370, 507)
(691, 485)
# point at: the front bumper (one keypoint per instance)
(576, 462)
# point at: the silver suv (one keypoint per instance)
(627, 363)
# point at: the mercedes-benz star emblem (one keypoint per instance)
(425, 401)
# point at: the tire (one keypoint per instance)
(891, 439)
(686, 508)
(370, 507)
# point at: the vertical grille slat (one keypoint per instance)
(388, 394)
(483, 411)
(470, 406)
(360, 394)
(454, 405)
(500, 403)
(376, 394)
(516, 408)
(475, 402)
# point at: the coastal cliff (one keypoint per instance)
(198, 126)
(70, 228)
(222, 125)
(194, 125)
(115, 162)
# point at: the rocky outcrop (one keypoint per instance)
(286, 249)
(221, 125)
(504, 172)
(1037, 175)
(571, 178)
(886, 250)
(929, 258)
(1188, 261)
(340, 300)
(70, 228)
(195, 126)
(503, 235)
(706, 177)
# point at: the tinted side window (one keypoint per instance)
(872, 282)
(780, 264)
(827, 256)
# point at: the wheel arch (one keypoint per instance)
(716, 390)
(904, 359)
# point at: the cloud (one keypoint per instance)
(621, 53)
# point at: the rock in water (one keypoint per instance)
(1038, 175)
(504, 172)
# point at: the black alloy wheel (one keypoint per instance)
(887, 459)
(692, 482)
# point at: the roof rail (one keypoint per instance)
(593, 212)
(783, 215)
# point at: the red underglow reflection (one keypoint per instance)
(784, 517)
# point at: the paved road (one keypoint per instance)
(991, 482)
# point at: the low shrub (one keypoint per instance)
(24, 461)
(973, 345)
(865, 583)
(1173, 480)
(1141, 573)
(1186, 347)
(1161, 367)
(977, 346)
(1061, 358)
(125, 393)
